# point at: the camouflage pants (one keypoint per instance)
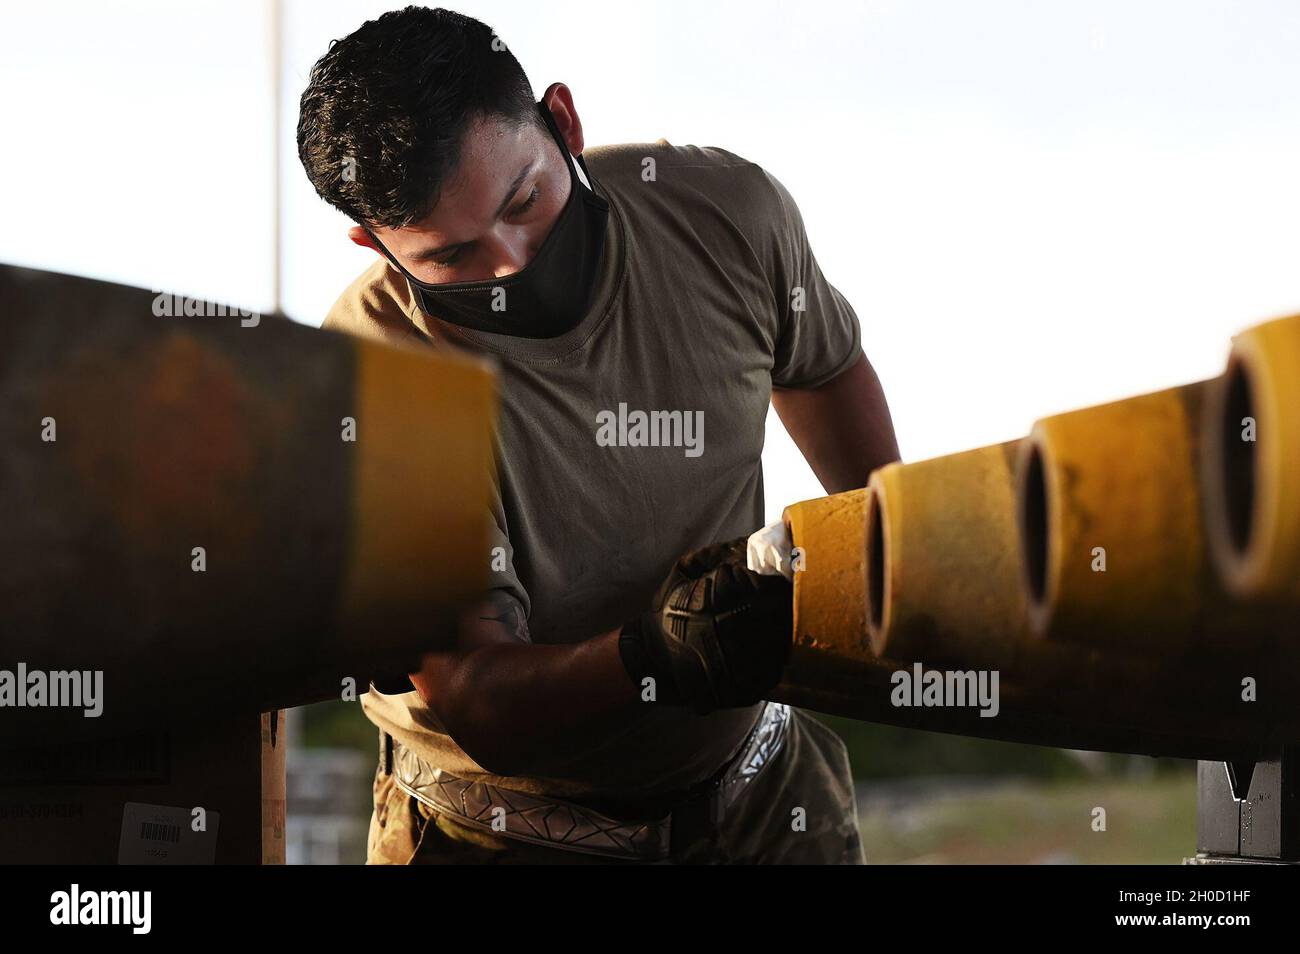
(799, 810)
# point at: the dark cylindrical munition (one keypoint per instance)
(216, 512)
(866, 691)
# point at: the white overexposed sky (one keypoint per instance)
(138, 144)
(1031, 206)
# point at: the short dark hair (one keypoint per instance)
(395, 99)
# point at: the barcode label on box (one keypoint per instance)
(164, 835)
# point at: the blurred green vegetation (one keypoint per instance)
(883, 752)
(339, 725)
(1149, 821)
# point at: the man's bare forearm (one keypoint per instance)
(843, 428)
(514, 707)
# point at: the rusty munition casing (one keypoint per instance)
(834, 670)
(942, 561)
(829, 578)
(1110, 521)
(209, 513)
(1114, 545)
(939, 560)
(1251, 466)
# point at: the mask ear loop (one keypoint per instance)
(579, 164)
(581, 169)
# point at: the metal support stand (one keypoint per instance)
(1249, 812)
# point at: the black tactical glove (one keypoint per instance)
(719, 634)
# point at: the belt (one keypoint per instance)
(555, 823)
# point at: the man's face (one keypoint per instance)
(495, 210)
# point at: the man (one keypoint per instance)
(642, 304)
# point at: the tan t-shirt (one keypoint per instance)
(708, 296)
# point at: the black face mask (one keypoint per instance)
(549, 295)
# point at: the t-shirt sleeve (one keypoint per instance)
(818, 334)
(376, 306)
(504, 587)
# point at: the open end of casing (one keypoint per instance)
(1235, 460)
(875, 565)
(1032, 499)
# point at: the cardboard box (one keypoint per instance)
(139, 799)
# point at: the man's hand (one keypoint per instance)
(719, 635)
(519, 708)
